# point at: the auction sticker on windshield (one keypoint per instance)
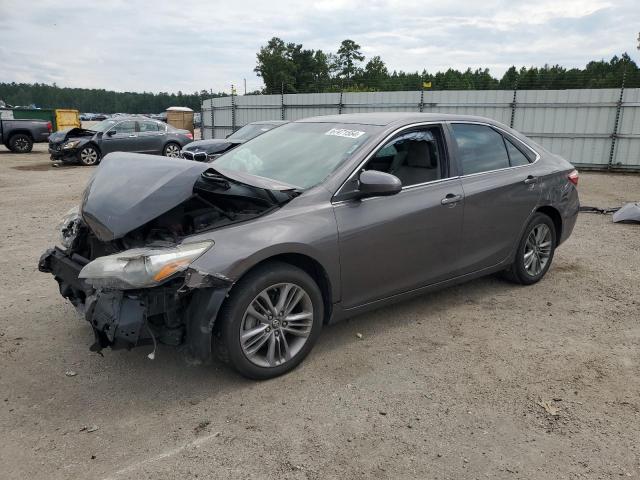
(343, 132)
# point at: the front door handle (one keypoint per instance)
(132, 136)
(451, 198)
(530, 179)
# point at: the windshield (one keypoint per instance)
(103, 126)
(300, 154)
(249, 131)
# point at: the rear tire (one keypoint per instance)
(535, 251)
(282, 340)
(89, 156)
(171, 150)
(20, 143)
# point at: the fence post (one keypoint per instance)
(422, 97)
(340, 104)
(213, 118)
(614, 135)
(514, 103)
(282, 105)
(233, 110)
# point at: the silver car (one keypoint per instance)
(310, 223)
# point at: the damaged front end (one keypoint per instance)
(124, 259)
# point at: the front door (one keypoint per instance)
(390, 245)
(122, 137)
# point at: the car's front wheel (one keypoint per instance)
(535, 251)
(88, 155)
(171, 150)
(270, 321)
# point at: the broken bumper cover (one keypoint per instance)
(181, 312)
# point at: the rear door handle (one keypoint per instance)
(451, 198)
(530, 179)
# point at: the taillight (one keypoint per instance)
(574, 177)
(49, 127)
(189, 135)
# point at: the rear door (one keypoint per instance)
(390, 245)
(500, 191)
(151, 136)
(123, 139)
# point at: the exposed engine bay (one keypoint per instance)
(183, 201)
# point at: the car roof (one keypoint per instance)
(400, 118)
(270, 122)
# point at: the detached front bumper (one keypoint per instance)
(182, 311)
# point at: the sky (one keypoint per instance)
(163, 45)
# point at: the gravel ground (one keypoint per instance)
(449, 385)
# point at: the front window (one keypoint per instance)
(300, 154)
(250, 131)
(415, 157)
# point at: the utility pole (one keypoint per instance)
(245, 86)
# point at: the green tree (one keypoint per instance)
(348, 59)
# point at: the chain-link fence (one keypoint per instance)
(592, 128)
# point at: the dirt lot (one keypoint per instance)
(444, 386)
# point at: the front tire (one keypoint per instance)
(270, 321)
(89, 156)
(171, 150)
(535, 251)
(20, 143)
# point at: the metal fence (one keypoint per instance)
(593, 128)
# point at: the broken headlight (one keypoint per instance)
(71, 144)
(141, 267)
(68, 227)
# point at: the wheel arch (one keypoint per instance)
(556, 218)
(19, 131)
(309, 265)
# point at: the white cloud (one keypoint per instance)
(192, 45)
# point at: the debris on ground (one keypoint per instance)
(71, 373)
(359, 335)
(89, 428)
(201, 426)
(549, 407)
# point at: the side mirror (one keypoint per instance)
(111, 133)
(373, 183)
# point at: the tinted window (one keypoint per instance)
(480, 148)
(414, 157)
(128, 126)
(515, 155)
(148, 126)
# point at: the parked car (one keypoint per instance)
(20, 135)
(307, 224)
(207, 150)
(118, 134)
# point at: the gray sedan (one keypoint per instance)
(310, 223)
(118, 134)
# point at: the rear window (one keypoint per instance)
(480, 148)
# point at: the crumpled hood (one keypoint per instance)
(131, 189)
(62, 135)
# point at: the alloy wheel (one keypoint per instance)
(537, 249)
(21, 144)
(89, 156)
(276, 325)
(172, 150)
